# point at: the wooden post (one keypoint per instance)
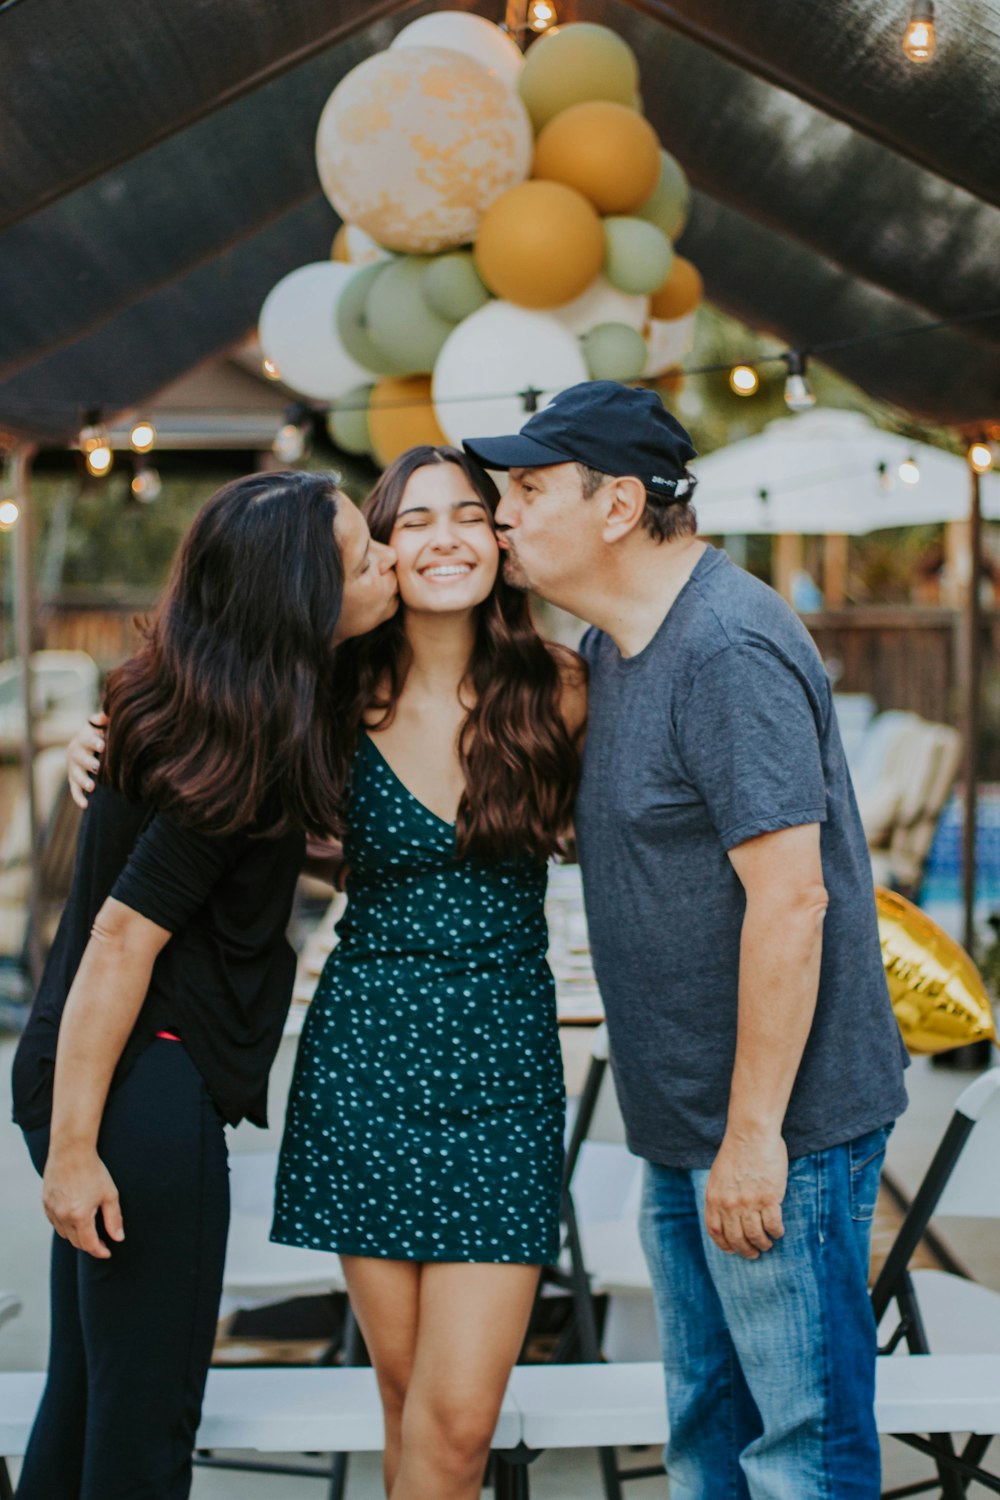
(971, 707)
(24, 612)
(836, 550)
(786, 559)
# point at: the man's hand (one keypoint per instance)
(74, 1190)
(745, 1190)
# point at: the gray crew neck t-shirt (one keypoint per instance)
(720, 729)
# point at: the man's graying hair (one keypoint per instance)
(665, 520)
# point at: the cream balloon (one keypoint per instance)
(415, 144)
(464, 32)
(668, 343)
(298, 331)
(490, 358)
(602, 303)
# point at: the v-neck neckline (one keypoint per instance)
(445, 823)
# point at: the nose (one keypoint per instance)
(384, 556)
(506, 512)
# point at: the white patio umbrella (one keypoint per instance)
(819, 474)
(834, 473)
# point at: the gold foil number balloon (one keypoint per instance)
(937, 993)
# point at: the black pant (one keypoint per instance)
(132, 1336)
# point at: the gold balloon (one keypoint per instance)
(937, 993)
(339, 250)
(606, 151)
(680, 294)
(400, 416)
(541, 244)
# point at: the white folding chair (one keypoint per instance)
(938, 1312)
(10, 1306)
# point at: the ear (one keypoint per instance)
(623, 507)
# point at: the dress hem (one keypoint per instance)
(431, 1257)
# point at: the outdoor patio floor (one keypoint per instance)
(555, 1476)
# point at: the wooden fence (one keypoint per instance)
(905, 657)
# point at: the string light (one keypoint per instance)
(743, 380)
(919, 39)
(271, 369)
(980, 457)
(909, 471)
(884, 477)
(93, 444)
(142, 437)
(146, 485)
(291, 440)
(541, 15)
(9, 514)
(99, 459)
(798, 396)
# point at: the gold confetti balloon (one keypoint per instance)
(937, 992)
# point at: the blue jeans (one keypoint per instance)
(770, 1363)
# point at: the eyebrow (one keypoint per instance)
(425, 510)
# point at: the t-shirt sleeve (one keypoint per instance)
(171, 871)
(589, 644)
(750, 742)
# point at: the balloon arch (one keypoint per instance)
(508, 223)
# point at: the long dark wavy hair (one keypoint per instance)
(225, 715)
(521, 766)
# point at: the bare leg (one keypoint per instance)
(385, 1297)
(472, 1320)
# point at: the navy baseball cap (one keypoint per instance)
(608, 427)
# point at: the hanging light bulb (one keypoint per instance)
(798, 396)
(9, 514)
(146, 484)
(271, 369)
(541, 15)
(884, 477)
(743, 380)
(290, 441)
(909, 472)
(980, 457)
(918, 39)
(142, 437)
(99, 459)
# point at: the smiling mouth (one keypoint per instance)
(447, 570)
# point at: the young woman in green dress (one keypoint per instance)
(425, 1122)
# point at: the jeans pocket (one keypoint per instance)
(865, 1157)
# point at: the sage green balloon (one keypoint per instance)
(347, 421)
(670, 203)
(352, 323)
(401, 321)
(637, 256)
(452, 286)
(573, 65)
(614, 351)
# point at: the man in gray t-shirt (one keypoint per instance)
(732, 921)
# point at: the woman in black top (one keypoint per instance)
(163, 1001)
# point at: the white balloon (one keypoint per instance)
(602, 303)
(298, 331)
(668, 341)
(463, 32)
(496, 353)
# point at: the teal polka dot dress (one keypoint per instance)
(426, 1114)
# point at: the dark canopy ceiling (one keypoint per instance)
(157, 178)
